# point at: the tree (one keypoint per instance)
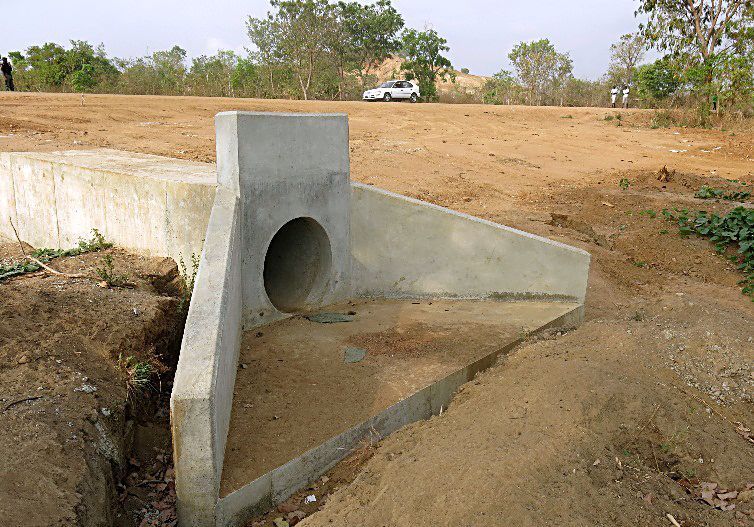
(659, 80)
(705, 34)
(305, 28)
(213, 76)
(502, 88)
(170, 70)
(424, 60)
(541, 70)
(264, 34)
(624, 56)
(371, 33)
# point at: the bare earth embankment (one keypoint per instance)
(623, 421)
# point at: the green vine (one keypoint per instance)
(97, 242)
(732, 234)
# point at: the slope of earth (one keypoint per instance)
(464, 84)
(68, 419)
(620, 422)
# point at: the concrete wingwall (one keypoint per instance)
(403, 247)
(202, 397)
(150, 204)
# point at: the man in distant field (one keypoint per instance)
(613, 95)
(7, 70)
(626, 91)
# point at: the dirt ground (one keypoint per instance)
(408, 345)
(624, 421)
(68, 420)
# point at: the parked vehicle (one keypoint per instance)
(394, 90)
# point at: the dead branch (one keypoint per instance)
(19, 401)
(39, 262)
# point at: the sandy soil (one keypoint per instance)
(68, 422)
(290, 366)
(620, 422)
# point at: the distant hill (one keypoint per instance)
(467, 87)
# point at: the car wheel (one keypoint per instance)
(387, 97)
(414, 97)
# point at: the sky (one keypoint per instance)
(480, 33)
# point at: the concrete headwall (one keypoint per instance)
(288, 166)
(404, 247)
(202, 397)
(150, 204)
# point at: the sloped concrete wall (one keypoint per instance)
(202, 397)
(404, 247)
(150, 204)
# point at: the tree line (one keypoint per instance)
(308, 49)
(318, 49)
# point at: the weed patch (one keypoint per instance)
(188, 278)
(732, 234)
(96, 243)
(108, 275)
(707, 192)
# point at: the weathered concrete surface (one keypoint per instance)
(150, 204)
(202, 395)
(287, 166)
(404, 247)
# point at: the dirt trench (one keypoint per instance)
(79, 438)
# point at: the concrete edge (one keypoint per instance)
(471, 218)
(280, 483)
(202, 394)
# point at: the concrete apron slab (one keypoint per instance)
(282, 482)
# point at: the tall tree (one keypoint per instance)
(371, 32)
(697, 27)
(541, 70)
(625, 55)
(706, 35)
(265, 35)
(425, 61)
(305, 32)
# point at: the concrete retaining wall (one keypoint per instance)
(404, 247)
(150, 204)
(202, 396)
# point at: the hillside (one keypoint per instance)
(466, 85)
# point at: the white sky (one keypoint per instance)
(480, 33)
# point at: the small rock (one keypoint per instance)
(295, 517)
(106, 412)
(746, 496)
(287, 507)
(23, 359)
(86, 388)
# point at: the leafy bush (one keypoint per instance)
(108, 275)
(732, 233)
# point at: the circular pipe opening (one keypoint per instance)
(297, 264)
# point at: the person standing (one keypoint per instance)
(613, 95)
(626, 91)
(7, 70)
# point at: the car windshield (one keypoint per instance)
(387, 84)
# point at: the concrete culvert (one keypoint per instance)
(297, 264)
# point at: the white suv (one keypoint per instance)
(391, 90)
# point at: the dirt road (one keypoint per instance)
(620, 422)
